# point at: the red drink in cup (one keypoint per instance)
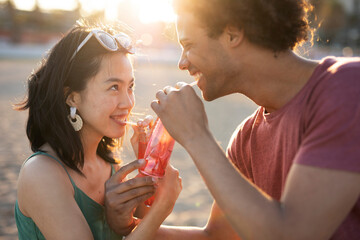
(157, 154)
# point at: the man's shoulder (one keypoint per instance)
(248, 122)
(245, 126)
(339, 77)
(336, 67)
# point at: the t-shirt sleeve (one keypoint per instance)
(332, 135)
(237, 150)
(231, 151)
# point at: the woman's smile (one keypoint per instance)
(119, 119)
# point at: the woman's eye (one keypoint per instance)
(132, 86)
(114, 87)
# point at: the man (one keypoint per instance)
(292, 169)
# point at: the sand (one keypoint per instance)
(194, 203)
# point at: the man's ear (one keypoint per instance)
(234, 35)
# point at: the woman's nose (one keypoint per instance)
(127, 101)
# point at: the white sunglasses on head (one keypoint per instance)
(108, 41)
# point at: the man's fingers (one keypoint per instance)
(169, 89)
(179, 85)
(155, 106)
(160, 95)
(125, 170)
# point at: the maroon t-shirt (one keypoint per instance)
(319, 127)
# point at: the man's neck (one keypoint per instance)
(273, 80)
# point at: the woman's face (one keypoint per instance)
(108, 98)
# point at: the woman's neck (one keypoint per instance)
(90, 143)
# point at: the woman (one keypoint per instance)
(78, 102)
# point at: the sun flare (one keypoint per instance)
(146, 11)
(154, 11)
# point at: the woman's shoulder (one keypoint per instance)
(42, 167)
(39, 178)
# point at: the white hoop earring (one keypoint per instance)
(75, 119)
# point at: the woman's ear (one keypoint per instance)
(72, 99)
(234, 35)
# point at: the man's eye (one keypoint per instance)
(187, 46)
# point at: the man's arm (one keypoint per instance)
(315, 200)
(217, 228)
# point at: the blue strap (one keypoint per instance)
(46, 154)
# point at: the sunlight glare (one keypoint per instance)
(25, 4)
(53, 4)
(155, 10)
(111, 10)
(147, 11)
(92, 5)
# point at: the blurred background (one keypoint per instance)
(42, 22)
(29, 28)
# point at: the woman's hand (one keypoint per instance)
(168, 190)
(123, 196)
(141, 136)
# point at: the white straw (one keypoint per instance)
(131, 123)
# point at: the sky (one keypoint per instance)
(147, 11)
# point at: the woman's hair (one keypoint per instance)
(50, 85)
(274, 24)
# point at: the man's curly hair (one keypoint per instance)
(274, 24)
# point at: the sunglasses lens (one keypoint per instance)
(107, 40)
(125, 41)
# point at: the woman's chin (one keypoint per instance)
(116, 134)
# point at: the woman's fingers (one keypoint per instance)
(147, 121)
(124, 171)
(134, 183)
(133, 193)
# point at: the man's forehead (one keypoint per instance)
(187, 26)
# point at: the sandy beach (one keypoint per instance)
(194, 203)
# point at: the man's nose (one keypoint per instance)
(183, 62)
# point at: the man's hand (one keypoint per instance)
(182, 113)
(122, 197)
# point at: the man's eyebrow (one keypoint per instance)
(183, 41)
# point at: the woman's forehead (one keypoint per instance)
(113, 65)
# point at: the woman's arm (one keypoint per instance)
(46, 195)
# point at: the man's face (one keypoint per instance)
(204, 58)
